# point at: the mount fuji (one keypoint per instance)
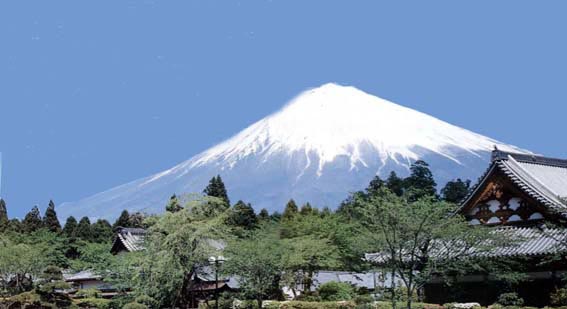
(325, 143)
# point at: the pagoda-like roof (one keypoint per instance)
(542, 178)
(131, 239)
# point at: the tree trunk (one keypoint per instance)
(393, 296)
(259, 302)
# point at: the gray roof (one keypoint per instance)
(131, 238)
(360, 280)
(526, 241)
(542, 178)
(81, 276)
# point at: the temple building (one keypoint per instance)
(524, 196)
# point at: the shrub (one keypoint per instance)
(510, 299)
(316, 305)
(559, 297)
(363, 299)
(146, 300)
(88, 293)
(98, 303)
(335, 291)
(135, 305)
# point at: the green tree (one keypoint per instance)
(4, 221)
(32, 221)
(418, 234)
(70, 227)
(50, 220)
(455, 191)
(257, 261)
(395, 184)
(84, 230)
(242, 215)
(307, 209)
(216, 188)
(175, 246)
(375, 184)
(173, 205)
(51, 287)
(123, 220)
(290, 210)
(136, 220)
(101, 231)
(264, 215)
(20, 263)
(420, 183)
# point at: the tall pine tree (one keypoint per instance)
(264, 215)
(123, 220)
(216, 188)
(70, 228)
(50, 220)
(4, 221)
(84, 230)
(420, 183)
(173, 205)
(395, 184)
(243, 216)
(32, 221)
(456, 190)
(375, 185)
(101, 231)
(290, 210)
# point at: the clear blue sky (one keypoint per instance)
(97, 93)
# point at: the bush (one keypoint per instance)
(98, 303)
(363, 299)
(88, 293)
(146, 300)
(335, 291)
(510, 299)
(559, 297)
(135, 305)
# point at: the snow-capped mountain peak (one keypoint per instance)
(323, 144)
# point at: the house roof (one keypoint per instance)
(131, 238)
(85, 275)
(542, 178)
(526, 242)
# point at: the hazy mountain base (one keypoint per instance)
(271, 183)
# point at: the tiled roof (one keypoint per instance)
(542, 178)
(527, 241)
(81, 276)
(131, 238)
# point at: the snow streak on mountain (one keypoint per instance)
(325, 143)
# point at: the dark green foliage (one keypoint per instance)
(216, 188)
(290, 210)
(173, 205)
(123, 220)
(51, 286)
(14, 225)
(3, 216)
(70, 227)
(559, 297)
(264, 215)
(276, 216)
(307, 210)
(242, 215)
(101, 231)
(420, 183)
(136, 220)
(325, 212)
(375, 184)
(32, 221)
(395, 184)
(510, 299)
(455, 191)
(84, 231)
(50, 220)
(336, 291)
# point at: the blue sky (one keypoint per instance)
(97, 93)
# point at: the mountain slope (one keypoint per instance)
(325, 143)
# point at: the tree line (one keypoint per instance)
(266, 250)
